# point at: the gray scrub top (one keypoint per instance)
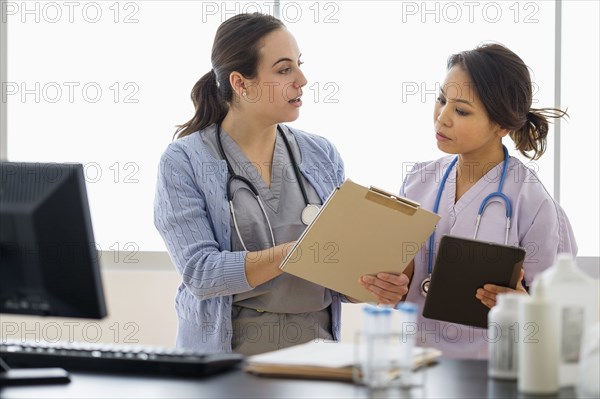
(283, 202)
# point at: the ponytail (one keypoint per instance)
(532, 135)
(209, 107)
(503, 84)
(236, 49)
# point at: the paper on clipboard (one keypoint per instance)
(359, 231)
(323, 360)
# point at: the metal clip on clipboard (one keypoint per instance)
(393, 201)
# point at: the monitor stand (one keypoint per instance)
(26, 376)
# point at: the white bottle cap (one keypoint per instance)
(565, 261)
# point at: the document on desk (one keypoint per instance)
(359, 231)
(327, 360)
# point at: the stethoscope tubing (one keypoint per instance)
(484, 203)
(234, 176)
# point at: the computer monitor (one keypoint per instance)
(48, 257)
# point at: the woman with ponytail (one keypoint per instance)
(232, 195)
(486, 96)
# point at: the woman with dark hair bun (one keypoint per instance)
(237, 188)
(486, 96)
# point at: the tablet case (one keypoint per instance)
(461, 267)
(359, 231)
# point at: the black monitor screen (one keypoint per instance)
(48, 257)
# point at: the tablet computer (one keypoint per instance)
(461, 267)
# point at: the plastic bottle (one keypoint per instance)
(503, 336)
(575, 299)
(375, 356)
(408, 328)
(538, 344)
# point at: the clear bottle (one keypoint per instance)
(407, 312)
(575, 298)
(375, 356)
(538, 345)
(503, 337)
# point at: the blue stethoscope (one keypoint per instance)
(484, 204)
(310, 211)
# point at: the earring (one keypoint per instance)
(244, 93)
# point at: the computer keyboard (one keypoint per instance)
(116, 358)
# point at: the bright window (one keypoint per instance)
(105, 83)
(580, 165)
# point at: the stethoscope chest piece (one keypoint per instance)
(425, 286)
(309, 213)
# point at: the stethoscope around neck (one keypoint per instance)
(310, 211)
(486, 201)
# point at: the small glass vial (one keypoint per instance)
(375, 353)
(503, 337)
(408, 329)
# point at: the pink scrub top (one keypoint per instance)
(538, 224)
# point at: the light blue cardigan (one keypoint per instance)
(191, 213)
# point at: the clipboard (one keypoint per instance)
(461, 267)
(321, 360)
(359, 231)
